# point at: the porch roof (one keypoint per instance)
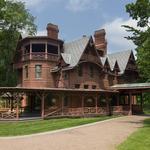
(132, 86)
(35, 89)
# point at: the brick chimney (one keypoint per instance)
(52, 31)
(100, 42)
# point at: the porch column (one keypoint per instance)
(107, 104)
(130, 103)
(83, 105)
(42, 105)
(117, 99)
(141, 98)
(17, 109)
(30, 50)
(62, 105)
(46, 50)
(96, 103)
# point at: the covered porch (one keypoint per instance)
(19, 102)
(131, 95)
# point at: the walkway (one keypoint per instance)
(100, 136)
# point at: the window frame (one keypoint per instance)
(38, 72)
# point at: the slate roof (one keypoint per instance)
(74, 50)
(121, 57)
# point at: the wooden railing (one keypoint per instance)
(40, 56)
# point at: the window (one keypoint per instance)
(26, 71)
(52, 49)
(91, 71)
(86, 86)
(93, 86)
(80, 71)
(38, 71)
(38, 47)
(77, 86)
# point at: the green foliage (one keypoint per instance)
(140, 11)
(14, 18)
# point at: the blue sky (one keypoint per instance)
(82, 17)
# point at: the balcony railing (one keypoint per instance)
(40, 56)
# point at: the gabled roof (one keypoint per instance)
(74, 50)
(122, 59)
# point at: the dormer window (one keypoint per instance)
(38, 47)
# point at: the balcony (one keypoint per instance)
(40, 56)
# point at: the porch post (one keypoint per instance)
(107, 104)
(17, 109)
(42, 105)
(130, 104)
(141, 98)
(62, 105)
(96, 102)
(83, 105)
(117, 99)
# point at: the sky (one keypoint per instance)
(76, 18)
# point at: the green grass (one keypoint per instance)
(146, 109)
(139, 140)
(31, 127)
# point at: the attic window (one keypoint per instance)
(38, 47)
(52, 49)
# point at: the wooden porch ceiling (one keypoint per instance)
(133, 87)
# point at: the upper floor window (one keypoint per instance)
(86, 86)
(77, 86)
(80, 71)
(53, 49)
(93, 86)
(38, 47)
(38, 71)
(26, 71)
(91, 71)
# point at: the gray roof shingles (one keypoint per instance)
(74, 50)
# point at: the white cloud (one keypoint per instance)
(42, 33)
(115, 34)
(71, 5)
(31, 3)
(81, 5)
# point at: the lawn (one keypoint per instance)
(31, 127)
(139, 140)
(146, 109)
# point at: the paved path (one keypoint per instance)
(100, 136)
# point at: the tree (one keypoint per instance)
(140, 11)
(14, 18)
